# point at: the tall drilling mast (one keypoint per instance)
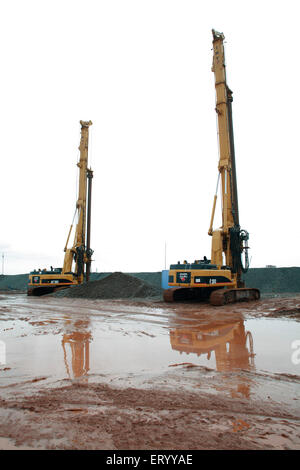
(78, 252)
(229, 238)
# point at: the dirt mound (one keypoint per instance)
(114, 286)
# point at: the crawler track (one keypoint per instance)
(228, 296)
(217, 297)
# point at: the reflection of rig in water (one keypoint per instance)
(79, 343)
(229, 342)
(232, 345)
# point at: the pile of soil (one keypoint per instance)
(153, 278)
(115, 286)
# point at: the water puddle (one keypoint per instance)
(256, 344)
(68, 342)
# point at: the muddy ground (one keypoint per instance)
(122, 374)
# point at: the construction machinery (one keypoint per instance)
(220, 278)
(77, 260)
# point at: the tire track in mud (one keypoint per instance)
(146, 419)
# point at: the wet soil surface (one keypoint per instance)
(122, 374)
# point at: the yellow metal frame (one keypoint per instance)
(213, 273)
(54, 277)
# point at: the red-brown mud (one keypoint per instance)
(90, 374)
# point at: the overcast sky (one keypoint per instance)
(141, 71)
